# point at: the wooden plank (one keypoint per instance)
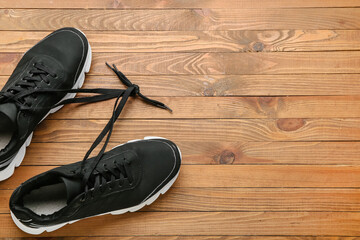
(216, 152)
(253, 130)
(251, 199)
(212, 237)
(149, 4)
(206, 223)
(230, 63)
(214, 63)
(230, 85)
(245, 200)
(233, 85)
(224, 107)
(200, 41)
(254, 176)
(182, 19)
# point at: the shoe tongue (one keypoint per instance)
(73, 188)
(8, 115)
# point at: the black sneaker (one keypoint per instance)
(124, 179)
(59, 61)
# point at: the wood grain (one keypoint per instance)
(206, 223)
(205, 152)
(233, 85)
(200, 41)
(230, 176)
(254, 130)
(224, 107)
(182, 19)
(245, 199)
(266, 113)
(149, 4)
(214, 63)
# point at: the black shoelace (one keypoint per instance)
(38, 73)
(103, 94)
(106, 175)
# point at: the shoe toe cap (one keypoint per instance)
(160, 160)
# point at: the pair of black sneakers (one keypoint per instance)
(124, 179)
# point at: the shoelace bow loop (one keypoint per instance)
(136, 87)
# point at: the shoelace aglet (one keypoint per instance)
(113, 67)
(108, 65)
(156, 103)
(167, 108)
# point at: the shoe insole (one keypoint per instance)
(5, 137)
(47, 199)
(6, 132)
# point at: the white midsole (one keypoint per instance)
(163, 190)
(18, 158)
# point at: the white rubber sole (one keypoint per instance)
(18, 158)
(163, 190)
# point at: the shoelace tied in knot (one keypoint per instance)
(136, 90)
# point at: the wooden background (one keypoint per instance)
(266, 100)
